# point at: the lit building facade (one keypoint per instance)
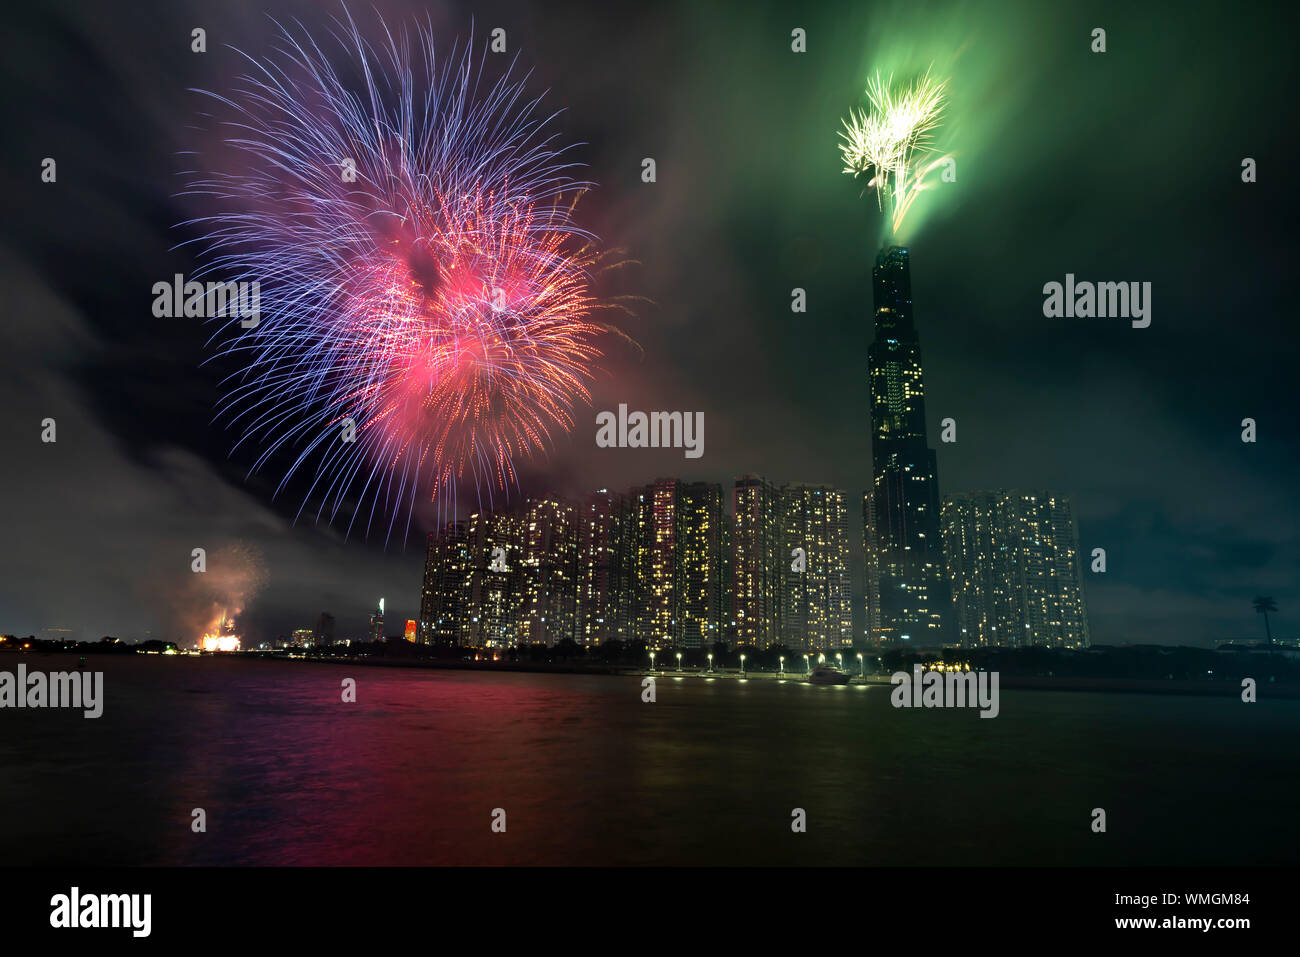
(605, 575)
(663, 564)
(492, 614)
(902, 505)
(756, 562)
(444, 597)
(678, 531)
(548, 572)
(816, 601)
(1014, 569)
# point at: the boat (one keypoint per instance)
(826, 675)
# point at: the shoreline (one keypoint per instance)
(1007, 682)
(1176, 686)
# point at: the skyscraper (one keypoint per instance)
(756, 562)
(681, 564)
(605, 569)
(549, 572)
(902, 505)
(700, 610)
(491, 618)
(324, 634)
(815, 601)
(377, 623)
(444, 596)
(1014, 566)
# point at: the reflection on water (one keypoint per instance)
(588, 774)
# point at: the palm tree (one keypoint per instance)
(1263, 605)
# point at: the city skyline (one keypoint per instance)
(1139, 427)
(666, 565)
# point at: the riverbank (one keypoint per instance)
(1007, 682)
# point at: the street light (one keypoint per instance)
(840, 659)
(782, 664)
(862, 664)
(742, 665)
(807, 664)
(652, 661)
(679, 661)
(710, 662)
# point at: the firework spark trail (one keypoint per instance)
(439, 298)
(891, 140)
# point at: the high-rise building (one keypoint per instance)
(548, 572)
(444, 597)
(871, 571)
(1014, 568)
(324, 634)
(661, 570)
(903, 500)
(498, 579)
(816, 609)
(727, 635)
(678, 532)
(700, 608)
(377, 623)
(494, 595)
(756, 562)
(605, 573)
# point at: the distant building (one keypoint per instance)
(324, 634)
(411, 630)
(377, 623)
(303, 638)
(1014, 569)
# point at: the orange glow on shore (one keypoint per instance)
(219, 643)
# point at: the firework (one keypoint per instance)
(424, 290)
(890, 141)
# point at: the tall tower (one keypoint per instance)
(903, 502)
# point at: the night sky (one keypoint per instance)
(1117, 166)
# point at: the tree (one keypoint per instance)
(1263, 605)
